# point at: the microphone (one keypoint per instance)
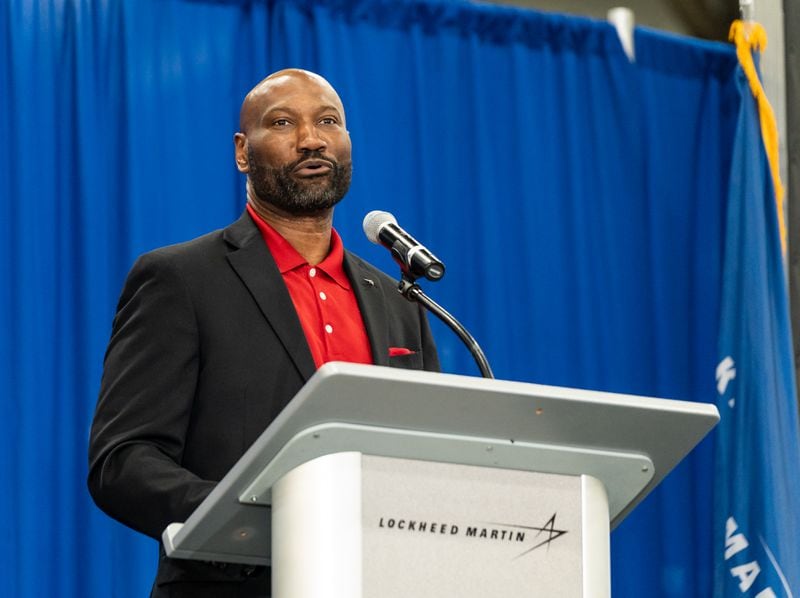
(414, 259)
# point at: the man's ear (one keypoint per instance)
(240, 152)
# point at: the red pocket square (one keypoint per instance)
(395, 351)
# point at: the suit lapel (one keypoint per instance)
(255, 267)
(370, 297)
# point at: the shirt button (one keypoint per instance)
(322, 295)
(312, 273)
(328, 328)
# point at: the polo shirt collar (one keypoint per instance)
(287, 257)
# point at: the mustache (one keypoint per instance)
(311, 155)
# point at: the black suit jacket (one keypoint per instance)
(206, 349)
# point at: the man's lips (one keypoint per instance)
(313, 167)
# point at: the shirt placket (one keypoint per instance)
(321, 291)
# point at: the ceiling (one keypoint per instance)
(708, 19)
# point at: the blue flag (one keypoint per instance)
(757, 485)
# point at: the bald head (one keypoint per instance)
(257, 100)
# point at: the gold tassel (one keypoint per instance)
(749, 36)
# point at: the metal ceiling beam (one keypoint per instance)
(706, 18)
(791, 27)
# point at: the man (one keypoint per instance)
(213, 337)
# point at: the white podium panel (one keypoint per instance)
(317, 526)
(393, 528)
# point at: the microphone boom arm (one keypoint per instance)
(412, 291)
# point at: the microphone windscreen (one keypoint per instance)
(373, 223)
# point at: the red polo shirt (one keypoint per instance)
(323, 298)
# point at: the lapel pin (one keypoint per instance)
(369, 282)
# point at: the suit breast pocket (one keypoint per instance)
(408, 361)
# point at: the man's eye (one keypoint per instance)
(328, 120)
(280, 122)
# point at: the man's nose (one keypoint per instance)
(309, 139)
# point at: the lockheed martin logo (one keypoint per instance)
(549, 530)
(523, 535)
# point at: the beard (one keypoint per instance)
(299, 197)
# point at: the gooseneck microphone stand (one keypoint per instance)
(412, 291)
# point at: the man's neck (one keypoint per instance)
(310, 235)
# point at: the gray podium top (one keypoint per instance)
(628, 442)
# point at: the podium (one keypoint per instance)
(383, 482)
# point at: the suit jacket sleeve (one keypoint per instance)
(144, 408)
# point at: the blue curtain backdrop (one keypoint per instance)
(577, 199)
